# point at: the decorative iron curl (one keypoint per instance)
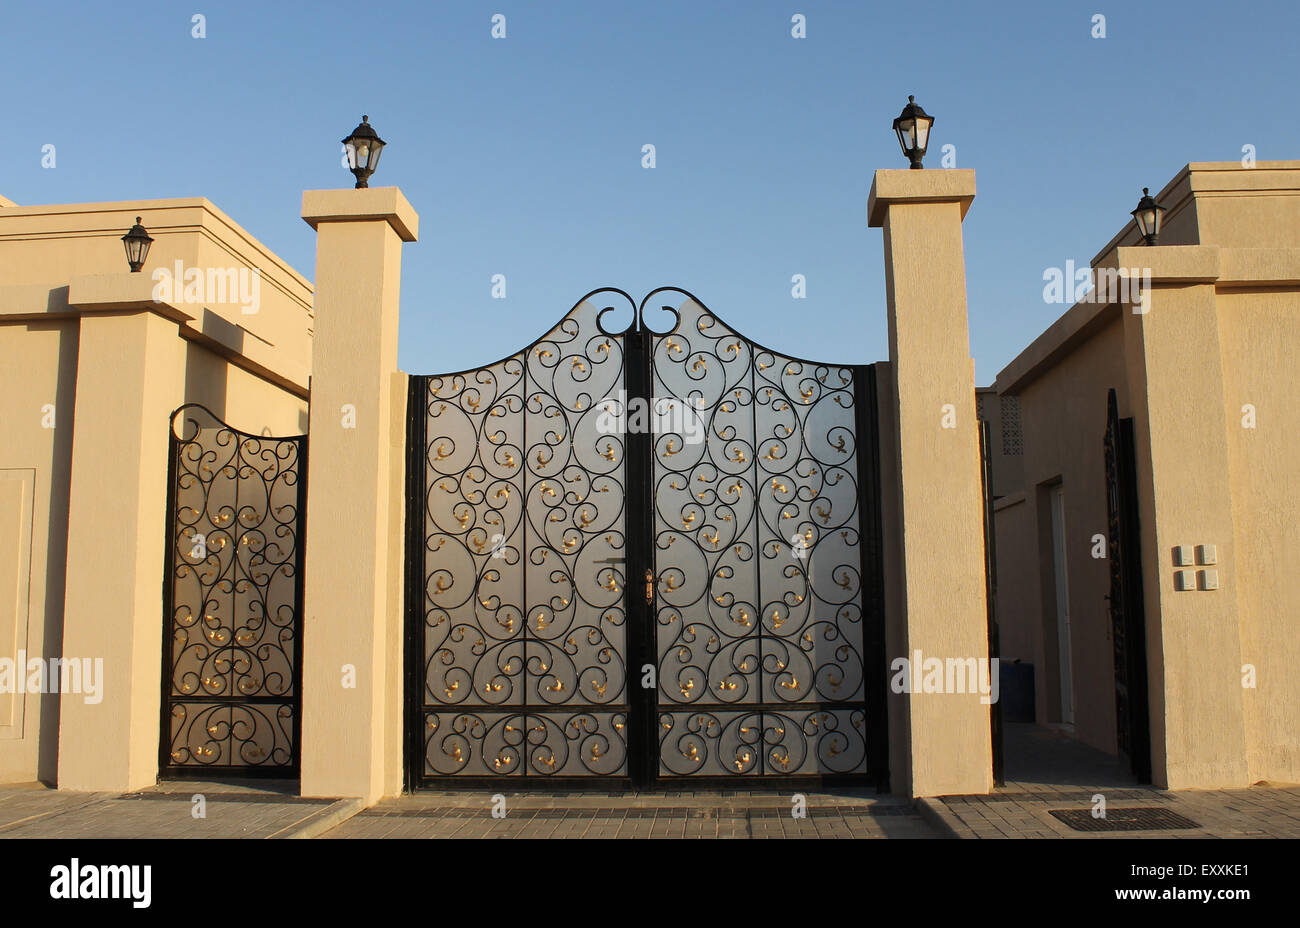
(233, 585)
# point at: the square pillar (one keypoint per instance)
(1175, 374)
(130, 376)
(938, 512)
(352, 632)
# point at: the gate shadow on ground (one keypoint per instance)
(226, 785)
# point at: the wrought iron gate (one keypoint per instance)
(1127, 612)
(649, 556)
(232, 594)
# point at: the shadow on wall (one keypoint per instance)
(47, 764)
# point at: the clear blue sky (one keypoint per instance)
(523, 155)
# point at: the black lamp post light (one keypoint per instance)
(137, 243)
(913, 130)
(364, 147)
(1148, 217)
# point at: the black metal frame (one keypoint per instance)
(1128, 619)
(991, 597)
(167, 767)
(643, 707)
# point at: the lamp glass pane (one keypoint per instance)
(376, 149)
(923, 132)
(351, 148)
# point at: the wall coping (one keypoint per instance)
(891, 187)
(1201, 179)
(104, 217)
(362, 205)
(1176, 265)
(133, 293)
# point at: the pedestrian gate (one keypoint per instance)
(645, 556)
(232, 594)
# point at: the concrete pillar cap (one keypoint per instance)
(364, 205)
(891, 188)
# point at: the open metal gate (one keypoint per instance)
(647, 557)
(1127, 611)
(232, 594)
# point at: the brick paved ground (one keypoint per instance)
(233, 811)
(843, 814)
(1045, 771)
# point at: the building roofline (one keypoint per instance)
(12, 210)
(1082, 320)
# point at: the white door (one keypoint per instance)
(1062, 605)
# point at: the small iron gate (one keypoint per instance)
(645, 556)
(1127, 611)
(232, 594)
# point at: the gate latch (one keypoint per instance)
(649, 587)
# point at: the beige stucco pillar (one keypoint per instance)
(939, 540)
(1175, 375)
(352, 634)
(130, 376)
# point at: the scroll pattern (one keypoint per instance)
(234, 586)
(524, 619)
(760, 601)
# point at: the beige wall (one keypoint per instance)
(1222, 330)
(1019, 632)
(1259, 333)
(39, 369)
(936, 514)
(65, 280)
(1063, 415)
(241, 398)
(352, 734)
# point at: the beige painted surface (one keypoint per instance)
(352, 735)
(1222, 331)
(243, 399)
(1019, 632)
(39, 373)
(92, 563)
(1007, 465)
(1259, 332)
(1182, 462)
(16, 495)
(129, 376)
(1063, 415)
(900, 730)
(938, 489)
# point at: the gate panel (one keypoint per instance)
(759, 560)
(232, 592)
(521, 573)
(1127, 612)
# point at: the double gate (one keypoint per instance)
(647, 557)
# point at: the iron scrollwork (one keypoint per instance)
(233, 593)
(523, 628)
(530, 548)
(757, 533)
